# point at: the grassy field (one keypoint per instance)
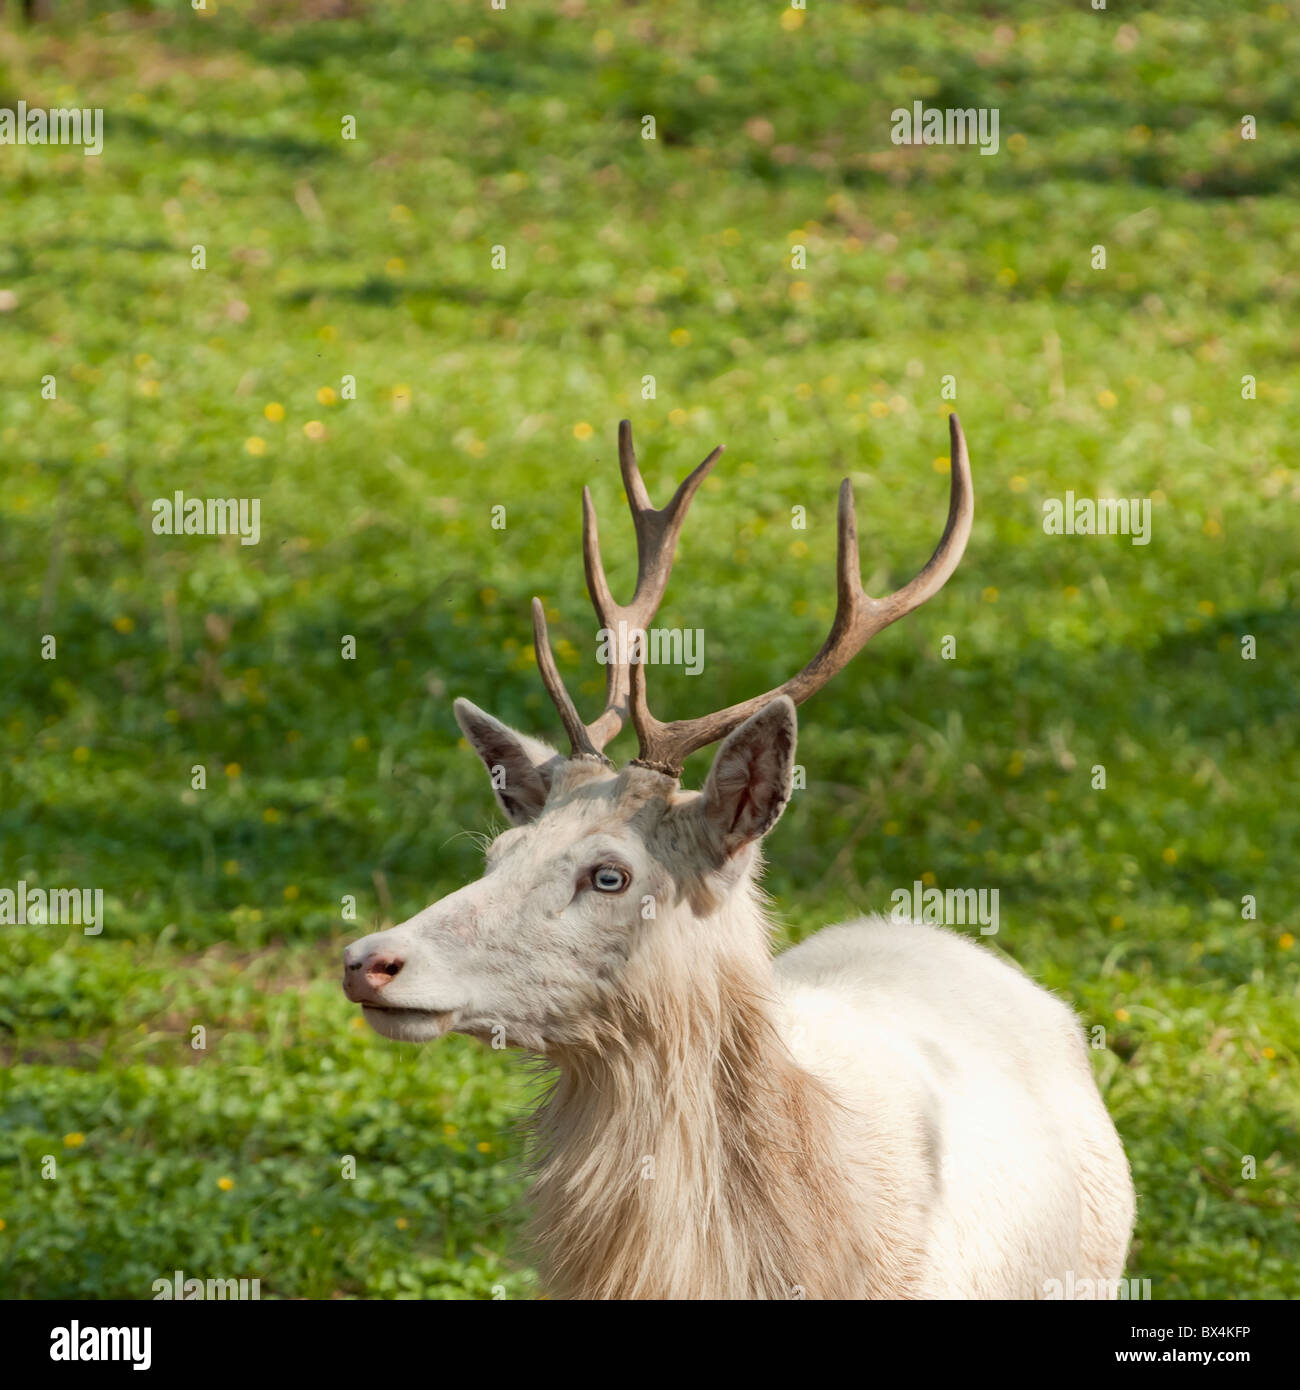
(625, 258)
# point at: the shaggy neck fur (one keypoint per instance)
(685, 1154)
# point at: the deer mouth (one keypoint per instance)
(408, 1025)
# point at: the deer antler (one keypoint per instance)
(656, 544)
(858, 618)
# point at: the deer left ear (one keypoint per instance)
(750, 780)
(520, 767)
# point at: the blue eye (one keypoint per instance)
(610, 879)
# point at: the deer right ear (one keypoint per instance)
(751, 778)
(521, 768)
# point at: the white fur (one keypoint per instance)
(887, 1110)
(946, 1057)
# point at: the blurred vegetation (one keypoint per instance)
(476, 388)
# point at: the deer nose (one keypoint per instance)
(366, 976)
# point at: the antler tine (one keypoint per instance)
(858, 618)
(656, 538)
(555, 687)
(652, 736)
(952, 544)
(656, 543)
(633, 483)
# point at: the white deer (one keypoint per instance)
(885, 1111)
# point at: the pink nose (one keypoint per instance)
(364, 978)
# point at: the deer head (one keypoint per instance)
(593, 899)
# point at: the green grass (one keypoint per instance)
(478, 388)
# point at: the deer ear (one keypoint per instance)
(750, 780)
(521, 768)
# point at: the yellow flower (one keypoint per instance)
(1169, 855)
(313, 429)
(1122, 1015)
(582, 430)
(255, 445)
(1108, 400)
(1116, 923)
(124, 624)
(271, 816)
(74, 1140)
(80, 755)
(1267, 1053)
(233, 770)
(990, 595)
(791, 20)
(402, 1223)
(273, 411)
(928, 879)
(290, 892)
(1018, 484)
(484, 1147)
(679, 337)
(1285, 941)
(225, 1184)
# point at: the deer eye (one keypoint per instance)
(609, 878)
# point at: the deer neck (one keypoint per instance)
(688, 1155)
